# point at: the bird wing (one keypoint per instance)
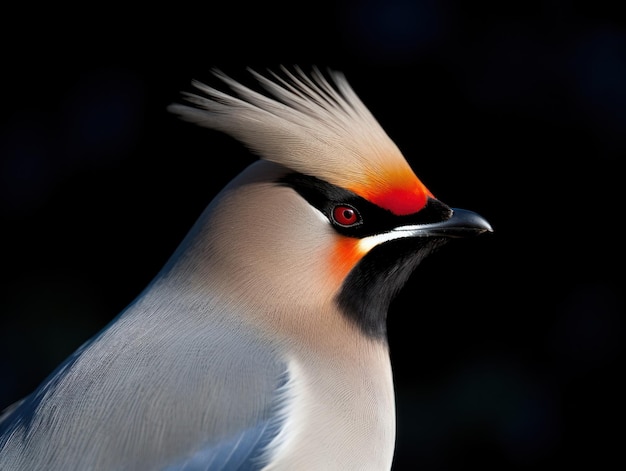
(143, 397)
(6, 412)
(245, 451)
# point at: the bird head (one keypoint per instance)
(332, 213)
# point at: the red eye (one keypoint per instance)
(346, 215)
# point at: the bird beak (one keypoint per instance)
(462, 223)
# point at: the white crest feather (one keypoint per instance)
(307, 123)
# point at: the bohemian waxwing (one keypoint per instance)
(261, 344)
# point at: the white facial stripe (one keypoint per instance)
(368, 243)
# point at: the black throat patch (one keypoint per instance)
(369, 288)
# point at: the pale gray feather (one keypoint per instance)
(177, 374)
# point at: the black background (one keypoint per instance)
(505, 347)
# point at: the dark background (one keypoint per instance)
(505, 347)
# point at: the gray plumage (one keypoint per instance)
(250, 350)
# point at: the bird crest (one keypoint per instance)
(315, 126)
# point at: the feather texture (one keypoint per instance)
(261, 344)
(313, 126)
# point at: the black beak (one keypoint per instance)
(462, 223)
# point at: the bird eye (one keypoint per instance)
(345, 215)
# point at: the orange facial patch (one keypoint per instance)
(345, 255)
(399, 193)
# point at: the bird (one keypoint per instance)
(261, 344)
